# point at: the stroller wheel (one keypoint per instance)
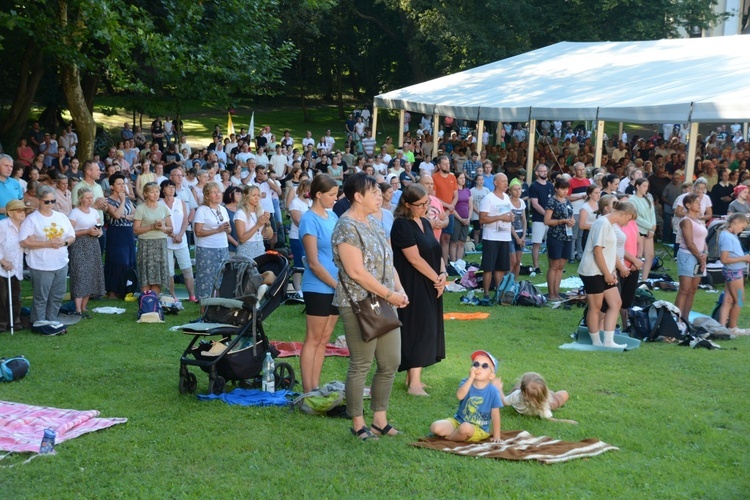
(192, 383)
(183, 386)
(217, 385)
(284, 375)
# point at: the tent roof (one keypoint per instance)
(661, 81)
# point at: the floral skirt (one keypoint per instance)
(152, 263)
(207, 263)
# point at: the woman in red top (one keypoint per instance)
(24, 153)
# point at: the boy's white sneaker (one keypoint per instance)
(739, 331)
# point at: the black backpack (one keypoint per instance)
(653, 322)
(529, 295)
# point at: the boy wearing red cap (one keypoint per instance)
(480, 405)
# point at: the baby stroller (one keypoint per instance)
(235, 315)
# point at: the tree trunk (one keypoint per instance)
(340, 95)
(89, 85)
(70, 81)
(31, 72)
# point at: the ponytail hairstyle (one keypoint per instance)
(734, 218)
(590, 190)
(605, 201)
(638, 183)
(627, 207)
(688, 199)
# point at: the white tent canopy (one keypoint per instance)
(662, 81)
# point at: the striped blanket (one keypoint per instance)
(22, 426)
(520, 445)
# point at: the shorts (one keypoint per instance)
(460, 232)
(558, 249)
(495, 255)
(476, 225)
(538, 232)
(319, 304)
(298, 251)
(479, 433)
(514, 247)
(686, 263)
(449, 228)
(183, 259)
(628, 287)
(732, 274)
(595, 284)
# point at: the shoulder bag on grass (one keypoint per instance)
(375, 315)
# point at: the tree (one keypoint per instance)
(167, 48)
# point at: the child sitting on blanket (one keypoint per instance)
(480, 405)
(532, 397)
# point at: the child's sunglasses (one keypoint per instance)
(477, 364)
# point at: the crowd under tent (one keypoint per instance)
(691, 80)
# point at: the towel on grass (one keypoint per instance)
(465, 316)
(250, 397)
(290, 349)
(22, 426)
(520, 445)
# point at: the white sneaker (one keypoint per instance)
(739, 331)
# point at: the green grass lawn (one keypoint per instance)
(678, 415)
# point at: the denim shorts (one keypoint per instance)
(686, 263)
(514, 247)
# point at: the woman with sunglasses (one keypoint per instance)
(211, 228)
(46, 236)
(417, 258)
(152, 224)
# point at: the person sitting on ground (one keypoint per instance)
(480, 405)
(532, 397)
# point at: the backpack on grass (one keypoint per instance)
(12, 369)
(506, 290)
(529, 295)
(149, 308)
(659, 320)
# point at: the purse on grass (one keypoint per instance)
(374, 314)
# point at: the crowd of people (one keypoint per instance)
(365, 219)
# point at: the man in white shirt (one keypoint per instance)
(308, 140)
(496, 217)
(244, 155)
(278, 160)
(261, 158)
(368, 145)
(267, 188)
(380, 167)
(330, 141)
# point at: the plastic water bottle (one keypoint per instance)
(269, 382)
(48, 442)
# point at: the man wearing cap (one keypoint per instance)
(11, 263)
(10, 189)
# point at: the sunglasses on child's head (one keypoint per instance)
(477, 364)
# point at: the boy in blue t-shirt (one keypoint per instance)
(480, 405)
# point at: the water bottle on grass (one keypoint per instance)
(269, 367)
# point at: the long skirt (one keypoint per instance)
(153, 269)
(119, 258)
(86, 271)
(207, 263)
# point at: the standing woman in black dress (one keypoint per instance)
(417, 258)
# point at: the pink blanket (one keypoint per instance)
(22, 426)
(289, 349)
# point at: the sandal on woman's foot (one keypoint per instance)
(385, 431)
(364, 434)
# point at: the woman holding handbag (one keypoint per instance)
(365, 270)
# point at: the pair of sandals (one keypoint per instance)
(365, 433)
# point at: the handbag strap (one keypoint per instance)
(341, 277)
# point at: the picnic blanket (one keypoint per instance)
(520, 445)
(465, 316)
(250, 397)
(290, 349)
(22, 426)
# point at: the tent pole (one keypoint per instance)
(375, 122)
(498, 134)
(480, 133)
(619, 133)
(744, 131)
(435, 133)
(530, 151)
(692, 147)
(401, 115)
(599, 143)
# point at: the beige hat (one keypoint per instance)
(14, 205)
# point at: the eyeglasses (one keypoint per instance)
(49, 202)
(477, 364)
(423, 204)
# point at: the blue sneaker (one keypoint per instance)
(484, 303)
